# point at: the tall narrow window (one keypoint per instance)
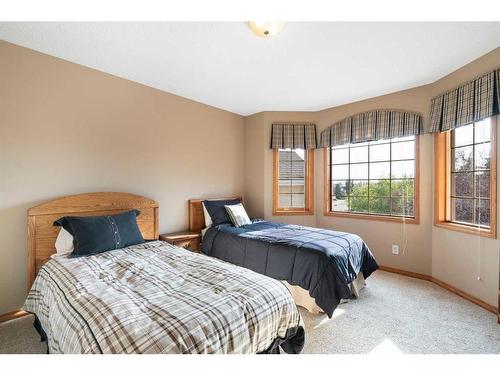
(371, 180)
(293, 181)
(466, 178)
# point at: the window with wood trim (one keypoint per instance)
(293, 181)
(373, 180)
(465, 178)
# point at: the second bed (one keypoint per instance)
(328, 265)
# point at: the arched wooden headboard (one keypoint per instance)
(42, 234)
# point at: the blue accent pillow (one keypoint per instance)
(218, 212)
(97, 234)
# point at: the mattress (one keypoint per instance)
(159, 298)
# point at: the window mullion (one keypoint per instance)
(369, 145)
(390, 176)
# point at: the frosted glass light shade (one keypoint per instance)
(266, 28)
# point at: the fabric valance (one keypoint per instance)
(372, 126)
(473, 101)
(293, 135)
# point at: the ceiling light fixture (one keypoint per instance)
(266, 28)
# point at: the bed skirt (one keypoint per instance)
(302, 298)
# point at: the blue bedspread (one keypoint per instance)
(319, 260)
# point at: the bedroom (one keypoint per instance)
(351, 154)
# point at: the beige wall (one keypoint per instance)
(468, 262)
(456, 258)
(67, 129)
(255, 144)
(259, 165)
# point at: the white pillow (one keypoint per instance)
(64, 243)
(238, 215)
(203, 231)
(208, 219)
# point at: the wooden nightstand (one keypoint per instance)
(185, 239)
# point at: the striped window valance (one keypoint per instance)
(473, 101)
(293, 135)
(372, 126)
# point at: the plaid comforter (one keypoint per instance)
(158, 298)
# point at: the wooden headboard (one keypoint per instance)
(196, 215)
(42, 234)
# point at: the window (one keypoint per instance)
(377, 179)
(466, 178)
(293, 181)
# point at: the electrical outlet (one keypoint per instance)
(395, 249)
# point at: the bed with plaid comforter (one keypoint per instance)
(158, 298)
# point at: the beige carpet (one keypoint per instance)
(395, 314)
(398, 314)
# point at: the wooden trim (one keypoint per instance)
(415, 275)
(443, 285)
(327, 209)
(196, 214)
(30, 277)
(355, 215)
(441, 161)
(416, 187)
(464, 228)
(286, 212)
(156, 211)
(42, 234)
(465, 295)
(493, 178)
(442, 186)
(101, 201)
(309, 187)
(13, 315)
(326, 183)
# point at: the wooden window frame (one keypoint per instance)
(309, 187)
(354, 215)
(442, 185)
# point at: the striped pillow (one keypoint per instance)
(238, 215)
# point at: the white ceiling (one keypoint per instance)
(308, 67)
